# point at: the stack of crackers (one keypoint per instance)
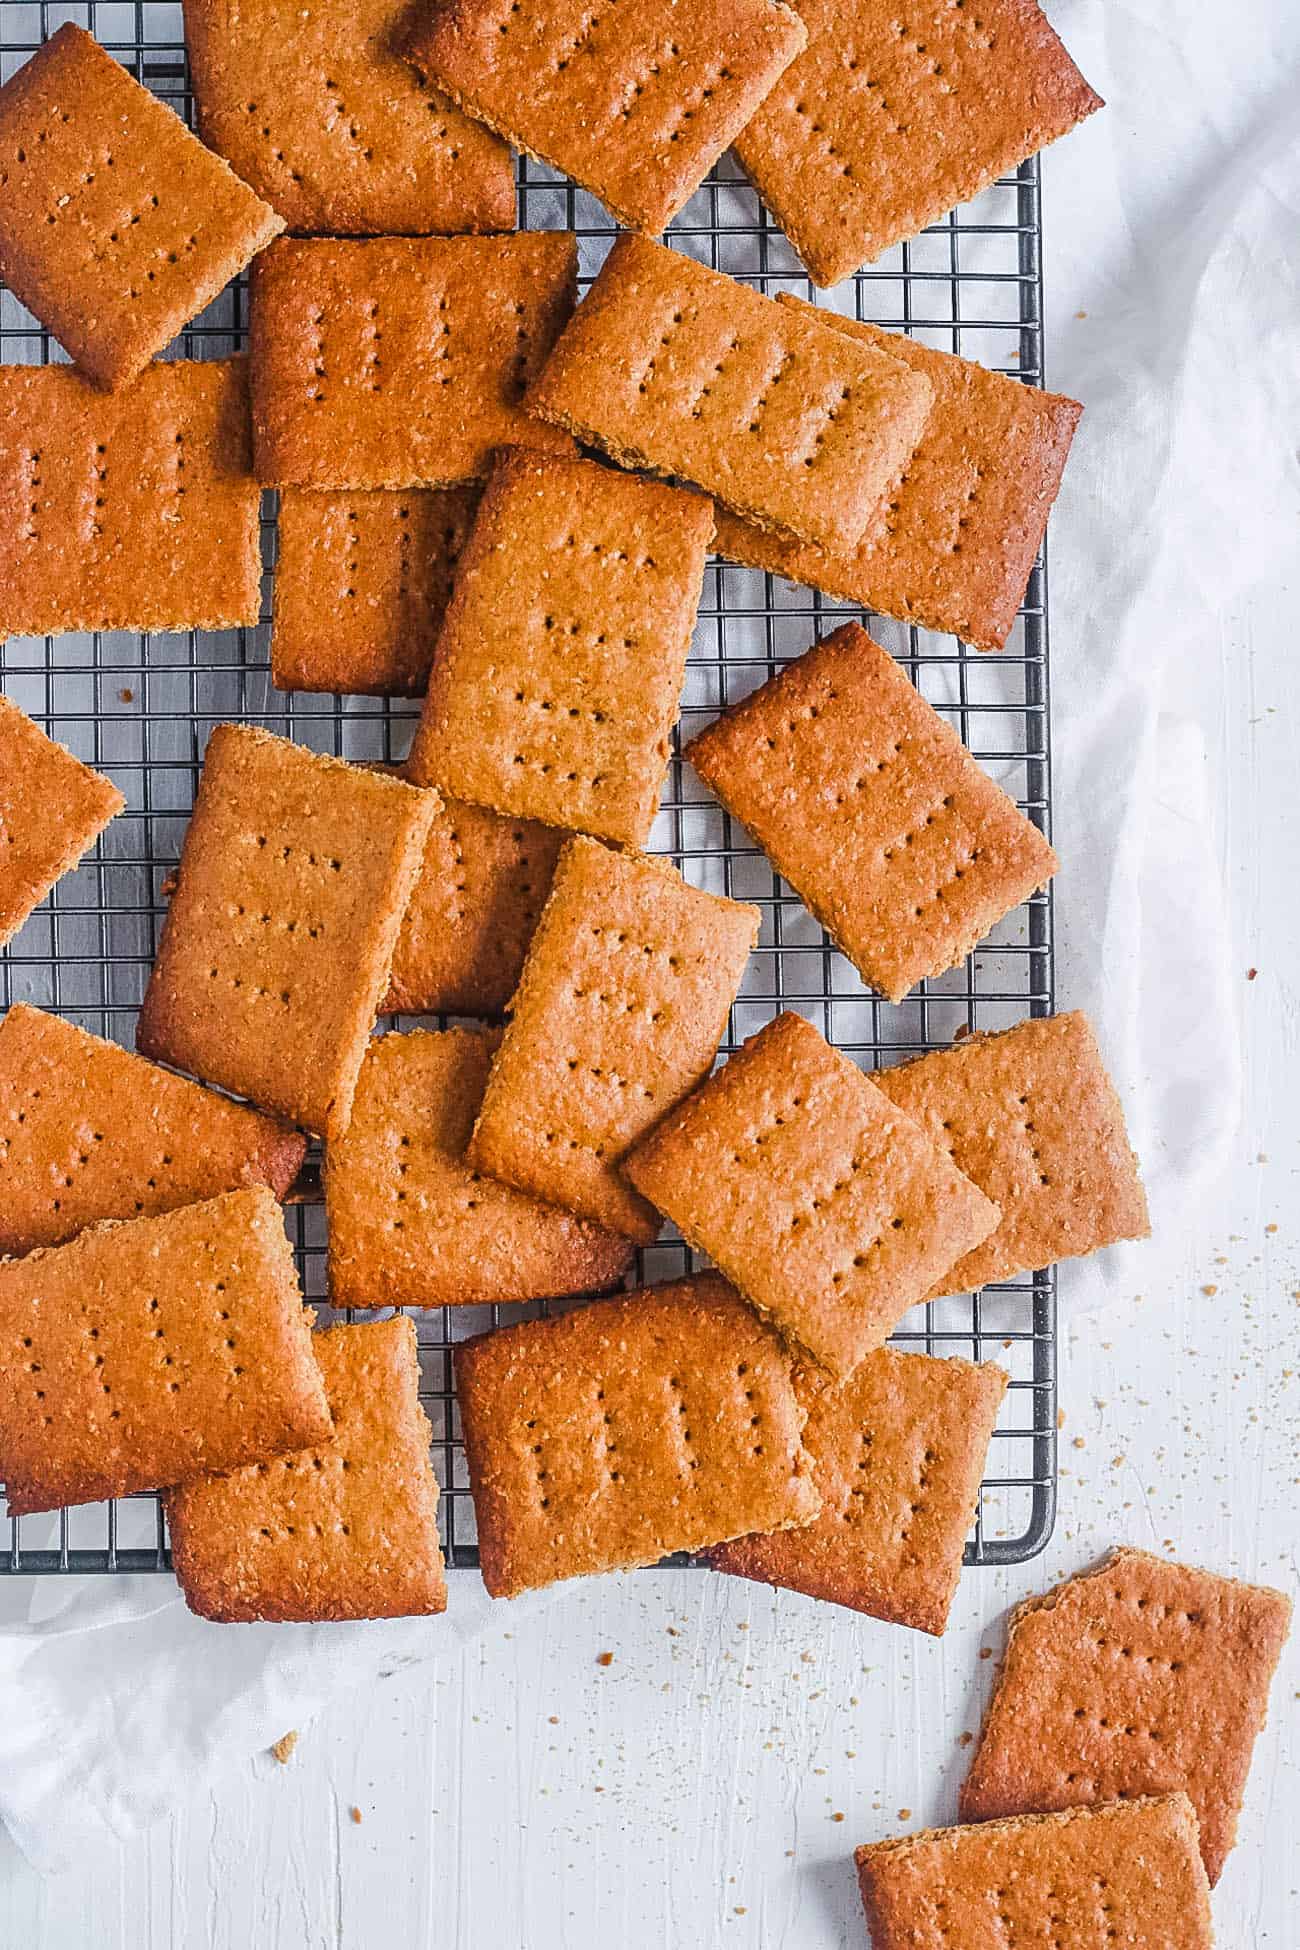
(501, 501)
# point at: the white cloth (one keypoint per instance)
(1171, 223)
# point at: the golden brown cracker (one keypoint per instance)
(674, 367)
(89, 1131)
(144, 1353)
(52, 810)
(345, 1530)
(1032, 1117)
(412, 1224)
(868, 803)
(619, 1012)
(117, 226)
(831, 1211)
(663, 1420)
(560, 664)
(1142, 1677)
(293, 881)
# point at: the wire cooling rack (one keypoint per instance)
(141, 709)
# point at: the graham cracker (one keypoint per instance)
(145, 1352)
(346, 1530)
(1032, 1117)
(317, 110)
(1141, 1677)
(868, 803)
(400, 362)
(412, 1224)
(117, 226)
(619, 1012)
(149, 491)
(52, 810)
(560, 665)
(635, 106)
(660, 1421)
(676, 368)
(1128, 1875)
(952, 546)
(293, 881)
(888, 119)
(472, 912)
(831, 1211)
(362, 582)
(898, 1452)
(89, 1131)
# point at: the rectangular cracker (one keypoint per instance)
(1137, 1678)
(952, 546)
(830, 1210)
(89, 1131)
(412, 1224)
(619, 1012)
(346, 1530)
(898, 1452)
(52, 810)
(149, 491)
(315, 107)
(887, 119)
(635, 106)
(673, 367)
(561, 660)
(1032, 1117)
(401, 362)
(117, 226)
(293, 881)
(362, 582)
(660, 1421)
(1127, 1875)
(472, 913)
(868, 803)
(144, 1353)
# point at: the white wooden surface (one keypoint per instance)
(707, 1786)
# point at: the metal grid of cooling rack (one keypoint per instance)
(141, 708)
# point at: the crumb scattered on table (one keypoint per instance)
(284, 1746)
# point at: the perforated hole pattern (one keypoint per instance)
(142, 712)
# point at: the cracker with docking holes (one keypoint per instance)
(670, 366)
(412, 1224)
(117, 226)
(362, 582)
(898, 1452)
(1128, 1874)
(146, 1352)
(149, 491)
(619, 1012)
(953, 544)
(660, 1421)
(399, 362)
(89, 1131)
(294, 877)
(345, 1530)
(472, 913)
(561, 660)
(887, 119)
(828, 1208)
(1141, 1677)
(868, 803)
(52, 810)
(315, 107)
(1032, 1117)
(637, 107)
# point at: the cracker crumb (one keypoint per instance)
(1209, 1291)
(1060, 1418)
(986, 1652)
(127, 696)
(905, 1814)
(1270, 1228)
(837, 1816)
(554, 1720)
(1079, 1442)
(1081, 314)
(356, 1816)
(284, 1746)
(1251, 973)
(965, 1739)
(604, 1658)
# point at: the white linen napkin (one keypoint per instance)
(1170, 220)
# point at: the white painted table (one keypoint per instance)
(707, 1786)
